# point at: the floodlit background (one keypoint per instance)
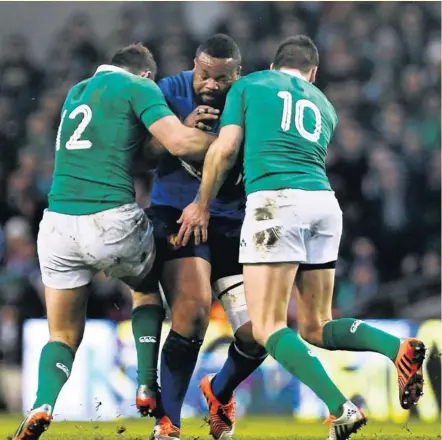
(380, 65)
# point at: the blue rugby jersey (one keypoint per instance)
(176, 182)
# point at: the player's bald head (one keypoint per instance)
(135, 58)
(220, 46)
(298, 53)
(217, 67)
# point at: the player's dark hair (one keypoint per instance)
(220, 46)
(297, 52)
(136, 58)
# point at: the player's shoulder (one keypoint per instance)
(262, 78)
(324, 100)
(253, 78)
(135, 86)
(179, 85)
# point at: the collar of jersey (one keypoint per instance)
(292, 73)
(111, 68)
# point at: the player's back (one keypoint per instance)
(99, 133)
(288, 126)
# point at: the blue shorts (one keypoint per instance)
(221, 249)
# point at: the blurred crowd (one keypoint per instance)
(380, 65)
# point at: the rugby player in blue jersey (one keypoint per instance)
(189, 274)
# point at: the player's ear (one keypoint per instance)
(147, 74)
(194, 62)
(272, 66)
(313, 74)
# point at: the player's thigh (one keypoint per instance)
(185, 274)
(66, 313)
(120, 243)
(186, 286)
(61, 261)
(268, 289)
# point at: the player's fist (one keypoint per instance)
(201, 116)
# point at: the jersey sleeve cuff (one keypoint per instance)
(227, 122)
(153, 114)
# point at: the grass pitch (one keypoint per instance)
(250, 428)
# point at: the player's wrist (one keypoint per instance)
(203, 204)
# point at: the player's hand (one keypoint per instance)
(200, 114)
(194, 219)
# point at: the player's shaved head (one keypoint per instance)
(135, 58)
(220, 46)
(217, 67)
(297, 52)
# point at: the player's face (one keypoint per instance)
(212, 79)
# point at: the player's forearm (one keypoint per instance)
(195, 147)
(216, 167)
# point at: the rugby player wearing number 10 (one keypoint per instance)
(293, 221)
(93, 223)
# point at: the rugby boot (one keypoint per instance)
(35, 424)
(351, 421)
(147, 401)
(221, 417)
(408, 363)
(165, 430)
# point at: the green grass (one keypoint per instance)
(256, 428)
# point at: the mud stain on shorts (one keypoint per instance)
(264, 213)
(267, 238)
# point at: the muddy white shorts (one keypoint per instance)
(291, 225)
(72, 248)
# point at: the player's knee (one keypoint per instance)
(191, 318)
(311, 332)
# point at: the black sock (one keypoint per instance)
(238, 367)
(178, 360)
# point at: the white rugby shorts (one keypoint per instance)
(73, 248)
(291, 225)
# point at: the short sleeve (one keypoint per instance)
(233, 113)
(148, 101)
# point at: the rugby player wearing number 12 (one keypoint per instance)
(292, 221)
(93, 223)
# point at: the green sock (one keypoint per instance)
(146, 326)
(354, 335)
(55, 367)
(288, 349)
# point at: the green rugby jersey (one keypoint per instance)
(288, 124)
(104, 121)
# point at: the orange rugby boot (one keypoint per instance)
(408, 363)
(221, 417)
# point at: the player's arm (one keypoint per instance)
(220, 159)
(151, 108)
(189, 143)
